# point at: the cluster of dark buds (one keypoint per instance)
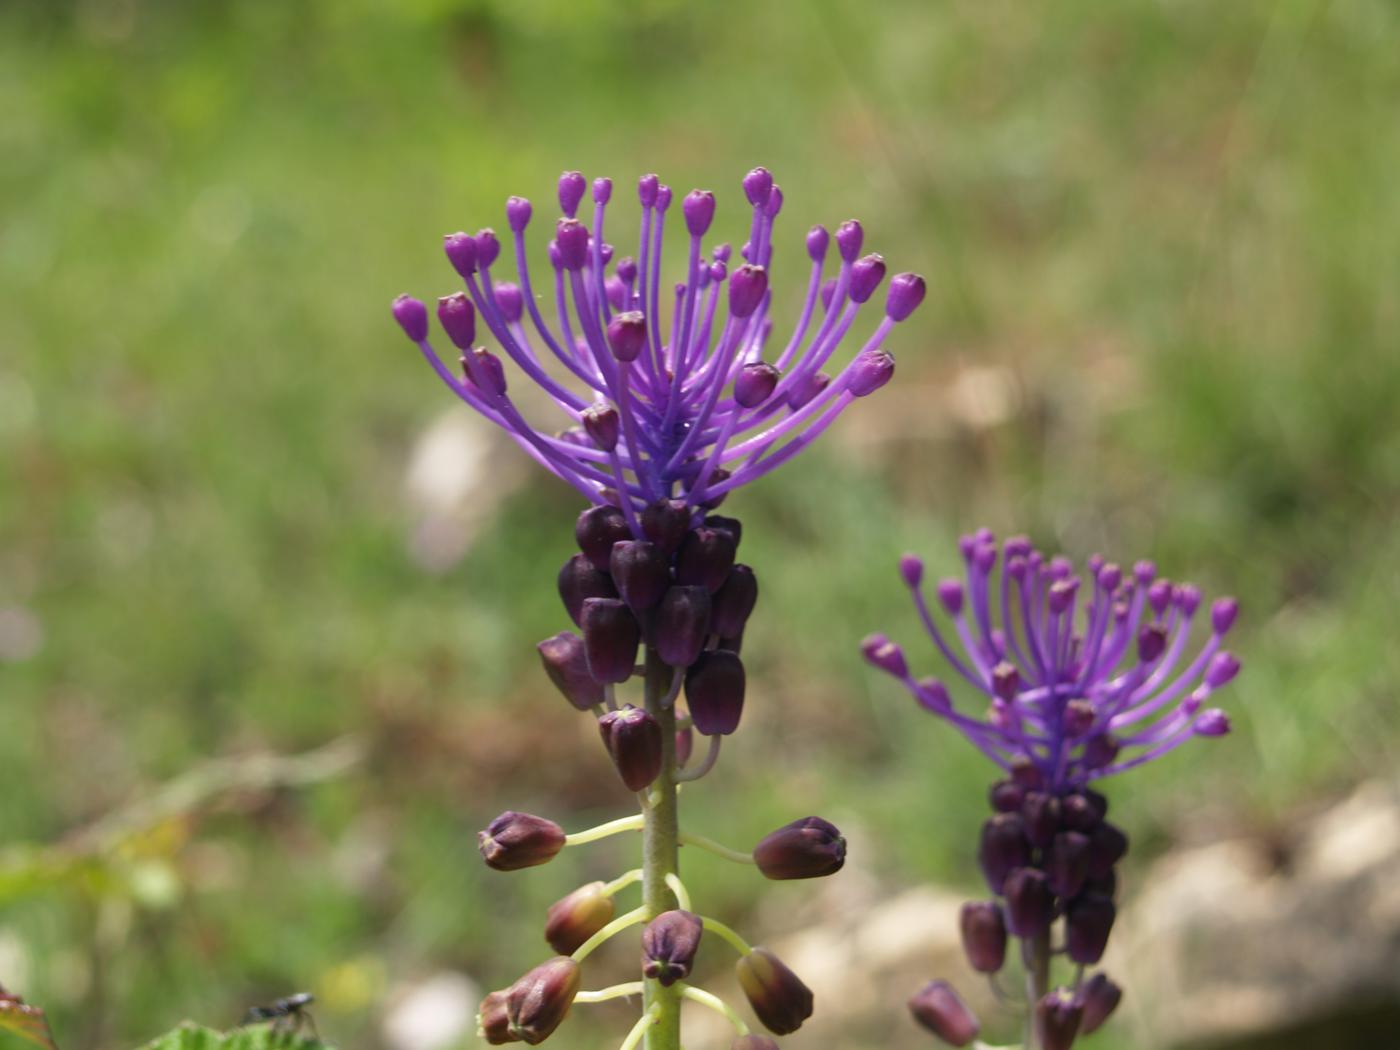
(1077, 687)
(661, 422)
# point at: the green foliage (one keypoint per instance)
(189, 1036)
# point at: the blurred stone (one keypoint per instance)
(437, 1012)
(21, 634)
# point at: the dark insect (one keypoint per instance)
(287, 1015)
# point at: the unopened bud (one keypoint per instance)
(567, 666)
(669, 944)
(777, 995)
(871, 370)
(627, 335)
(866, 275)
(734, 602)
(733, 526)
(1101, 997)
(1057, 1018)
(849, 238)
(640, 572)
(1007, 796)
(1088, 923)
(983, 935)
(493, 1019)
(681, 624)
(805, 849)
(746, 289)
(596, 530)
(1002, 849)
(601, 423)
(573, 919)
(941, 1010)
(1107, 846)
(880, 652)
(665, 522)
(633, 739)
(1030, 906)
(580, 580)
(699, 211)
(538, 1003)
(519, 840)
(572, 185)
(457, 316)
(705, 558)
(1041, 813)
(1067, 863)
(755, 384)
(714, 692)
(905, 295)
(610, 639)
(1079, 814)
(412, 317)
(807, 389)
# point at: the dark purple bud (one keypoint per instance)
(647, 187)
(849, 238)
(663, 197)
(571, 188)
(733, 526)
(461, 252)
(734, 602)
(1057, 1018)
(1030, 905)
(950, 596)
(669, 944)
(412, 317)
(681, 625)
(755, 384)
(457, 316)
(666, 522)
(1087, 926)
(817, 241)
(509, 301)
(714, 692)
(1222, 669)
(705, 558)
(633, 740)
(939, 1009)
(1007, 796)
(757, 185)
(1041, 813)
(746, 289)
(699, 211)
(1212, 722)
(572, 238)
(1002, 849)
(805, 849)
(1107, 846)
(1223, 613)
(906, 293)
(880, 652)
(777, 995)
(983, 935)
(1105, 884)
(1062, 594)
(1067, 863)
(1079, 718)
(493, 1019)
(866, 275)
(774, 203)
(573, 919)
(488, 248)
(1026, 773)
(627, 335)
(596, 530)
(871, 370)
(1006, 681)
(538, 1003)
(627, 269)
(602, 190)
(1077, 813)
(640, 572)
(807, 389)
(1100, 750)
(518, 212)
(567, 666)
(601, 423)
(753, 1042)
(1151, 641)
(484, 370)
(610, 638)
(1100, 997)
(519, 840)
(580, 580)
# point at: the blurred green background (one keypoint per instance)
(1162, 243)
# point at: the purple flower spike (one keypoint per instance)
(1087, 675)
(703, 405)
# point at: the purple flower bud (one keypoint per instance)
(774, 203)
(714, 692)
(1151, 641)
(933, 695)
(880, 652)
(777, 995)
(572, 185)
(1223, 613)
(939, 1009)
(817, 241)
(663, 197)
(699, 211)
(1088, 923)
(669, 944)
(755, 384)
(1079, 718)
(640, 572)
(1097, 802)
(488, 248)
(849, 238)
(807, 389)
(733, 526)
(1077, 813)
(518, 212)
(1188, 596)
(718, 271)
(1002, 849)
(572, 238)
(911, 569)
(616, 292)
(602, 190)
(519, 840)
(484, 370)
(633, 741)
(734, 602)
(810, 848)
(627, 269)
(983, 935)
(1006, 680)
(906, 293)
(1100, 997)
(1007, 796)
(538, 1003)
(601, 423)
(580, 580)
(1026, 773)
(1041, 813)
(1212, 722)
(567, 666)
(596, 530)
(1030, 905)
(757, 185)
(1159, 596)
(493, 1019)
(746, 289)
(457, 316)
(509, 301)
(1107, 846)
(412, 317)
(573, 919)
(665, 522)
(627, 335)
(461, 252)
(1100, 750)
(872, 370)
(1222, 669)
(866, 275)
(705, 558)
(647, 187)
(1062, 594)
(950, 594)
(1067, 863)
(828, 292)
(610, 638)
(1057, 1018)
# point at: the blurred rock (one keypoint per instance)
(437, 1012)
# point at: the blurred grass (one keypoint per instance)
(1172, 226)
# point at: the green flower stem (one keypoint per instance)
(715, 1003)
(616, 991)
(619, 924)
(726, 933)
(661, 849)
(622, 882)
(678, 888)
(638, 1031)
(710, 845)
(602, 831)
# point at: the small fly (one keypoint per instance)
(287, 1015)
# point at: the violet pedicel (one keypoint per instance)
(1082, 676)
(663, 417)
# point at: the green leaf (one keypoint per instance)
(190, 1036)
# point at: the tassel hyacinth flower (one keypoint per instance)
(664, 412)
(1077, 677)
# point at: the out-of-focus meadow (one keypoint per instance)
(1162, 243)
